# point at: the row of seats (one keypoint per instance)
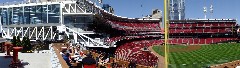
(138, 24)
(144, 33)
(188, 25)
(135, 26)
(134, 51)
(113, 40)
(198, 40)
(222, 30)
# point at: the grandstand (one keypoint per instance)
(85, 23)
(128, 36)
(202, 31)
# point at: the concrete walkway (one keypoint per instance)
(161, 63)
(29, 60)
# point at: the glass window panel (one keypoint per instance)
(42, 14)
(1, 15)
(27, 16)
(33, 15)
(9, 16)
(4, 16)
(16, 15)
(54, 13)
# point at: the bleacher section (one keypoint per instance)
(134, 51)
(201, 27)
(190, 32)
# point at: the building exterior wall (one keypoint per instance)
(156, 14)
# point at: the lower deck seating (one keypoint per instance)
(134, 51)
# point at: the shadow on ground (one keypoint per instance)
(4, 63)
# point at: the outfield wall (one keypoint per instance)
(232, 64)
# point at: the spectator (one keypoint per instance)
(132, 64)
(81, 53)
(89, 62)
(64, 52)
(97, 59)
(66, 58)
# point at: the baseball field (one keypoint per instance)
(200, 56)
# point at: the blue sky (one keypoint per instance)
(194, 8)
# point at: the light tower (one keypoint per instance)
(211, 10)
(205, 10)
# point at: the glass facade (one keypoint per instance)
(78, 21)
(30, 14)
(177, 7)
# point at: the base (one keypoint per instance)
(15, 64)
(8, 56)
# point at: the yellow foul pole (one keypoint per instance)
(166, 32)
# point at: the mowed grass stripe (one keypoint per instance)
(206, 55)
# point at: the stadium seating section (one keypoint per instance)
(134, 51)
(135, 29)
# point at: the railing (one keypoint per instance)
(54, 60)
(88, 42)
(57, 60)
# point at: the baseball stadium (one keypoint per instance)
(88, 34)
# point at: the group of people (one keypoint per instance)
(73, 54)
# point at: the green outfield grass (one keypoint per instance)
(207, 55)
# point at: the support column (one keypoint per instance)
(15, 62)
(36, 33)
(15, 31)
(47, 12)
(8, 32)
(61, 13)
(43, 34)
(51, 33)
(22, 32)
(75, 37)
(15, 53)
